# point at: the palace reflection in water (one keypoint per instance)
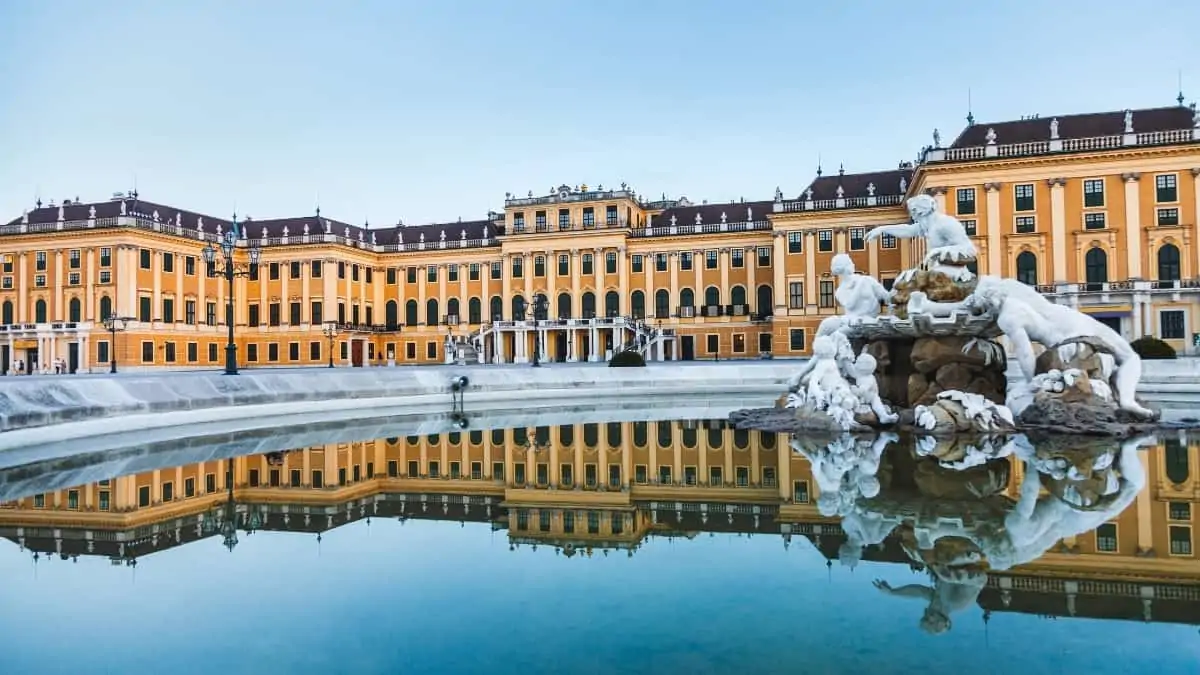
(1099, 530)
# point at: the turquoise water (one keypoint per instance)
(735, 594)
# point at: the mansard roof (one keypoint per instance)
(890, 183)
(1087, 125)
(733, 212)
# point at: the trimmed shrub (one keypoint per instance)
(627, 359)
(1150, 347)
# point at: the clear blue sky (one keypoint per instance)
(430, 110)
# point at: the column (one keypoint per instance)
(1133, 226)
(698, 270)
(83, 353)
(180, 303)
(810, 270)
(1145, 511)
(58, 309)
(598, 268)
(576, 282)
(673, 266)
(751, 258)
(1138, 328)
(422, 282)
(623, 282)
(1058, 229)
(527, 272)
(443, 273)
(506, 283)
(995, 231)
(156, 258)
(22, 289)
(783, 453)
(723, 266)
(840, 237)
(130, 282)
(1196, 229)
(329, 291)
(89, 303)
(305, 292)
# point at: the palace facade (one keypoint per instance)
(1098, 211)
(589, 489)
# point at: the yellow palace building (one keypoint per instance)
(1098, 210)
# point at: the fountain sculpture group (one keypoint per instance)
(932, 364)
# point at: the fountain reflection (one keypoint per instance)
(1064, 526)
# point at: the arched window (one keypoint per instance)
(1175, 455)
(105, 307)
(391, 314)
(716, 439)
(741, 439)
(766, 440)
(664, 434)
(591, 435)
(1027, 268)
(566, 435)
(612, 303)
(589, 305)
(518, 308)
(39, 311)
(662, 303)
(410, 313)
(452, 310)
(637, 305)
(564, 305)
(7, 312)
(432, 317)
(640, 434)
(1096, 266)
(687, 437)
(496, 308)
(612, 433)
(765, 301)
(712, 296)
(737, 296)
(541, 435)
(1168, 263)
(687, 298)
(474, 311)
(74, 310)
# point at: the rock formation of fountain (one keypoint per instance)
(932, 362)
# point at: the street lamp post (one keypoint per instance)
(113, 324)
(229, 270)
(331, 331)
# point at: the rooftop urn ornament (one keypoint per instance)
(485, 232)
(937, 138)
(530, 193)
(199, 223)
(698, 218)
(443, 236)
(1129, 121)
(778, 194)
(723, 217)
(870, 189)
(463, 235)
(623, 185)
(346, 232)
(155, 215)
(673, 219)
(903, 184)
(179, 219)
(306, 229)
(92, 211)
(808, 194)
(1195, 116)
(840, 192)
(264, 232)
(220, 230)
(991, 136)
(361, 235)
(749, 214)
(1054, 129)
(422, 237)
(285, 230)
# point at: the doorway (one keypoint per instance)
(5, 358)
(72, 357)
(687, 348)
(31, 360)
(585, 342)
(356, 353)
(560, 347)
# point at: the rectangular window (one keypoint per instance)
(800, 493)
(739, 343)
(73, 259)
(825, 294)
(1023, 197)
(685, 261)
(887, 241)
(710, 260)
(252, 352)
(1168, 217)
(189, 312)
(971, 228)
(965, 198)
(212, 352)
(610, 262)
(796, 339)
(610, 215)
(636, 263)
(144, 258)
(73, 279)
(106, 257)
(1093, 192)
(316, 308)
(314, 351)
(451, 272)
(795, 242)
(193, 352)
(796, 295)
(737, 258)
(431, 350)
(105, 277)
(1106, 538)
(410, 275)
(660, 262)
(1025, 224)
(1093, 221)
(1179, 511)
(825, 241)
(253, 318)
(39, 280)
(144, 309)
(764, 256)
(586, 262)
(431, 274)
(168, 262)
(564, 219)
(1171, 324)
(389, 277)
(294, 310)
(518, 222)
(275, 314)
(858, 240)
(518, 267)
(713, 343)
(1181, 540)
(189, 265)
(293, 351)
(539, 220)
(589, 216)
(102, 351)
(1165, 188)
(39, 261)
(168, 310)
(315, 269)
(210, 313)
(539, 266)
(273, 271)
(473, 272)
(147, 352)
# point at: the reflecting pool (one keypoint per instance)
(622, 547)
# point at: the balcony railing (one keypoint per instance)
(842, 203)
(660, 230)
(1094, 143)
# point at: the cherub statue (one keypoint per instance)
(1025, 317)
(947, 238)
(866, 388)
(820, 375)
